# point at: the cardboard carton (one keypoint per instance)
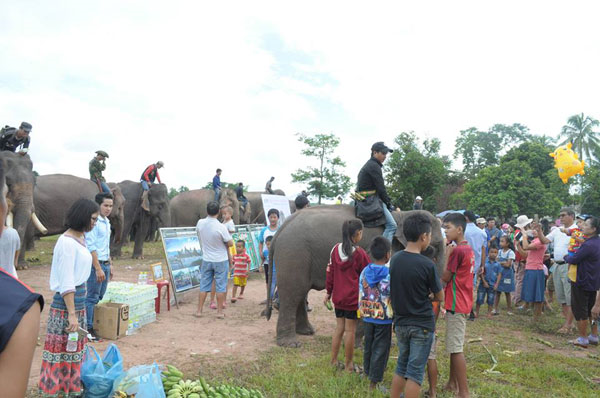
(111, 320)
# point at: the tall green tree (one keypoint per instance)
(579, 130)
(325, 180)
(524, 182)
(590, 192)
(416, 169)
(479, 149)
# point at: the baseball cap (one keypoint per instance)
(379, 146)
(25, 127)
(480, 220)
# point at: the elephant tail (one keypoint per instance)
(269, 309)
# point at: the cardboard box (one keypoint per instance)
(111, 320)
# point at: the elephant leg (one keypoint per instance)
(286, 321)
(303, 325)
(140, 235)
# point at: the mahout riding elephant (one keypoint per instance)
(20, 181)
(55, 193)
(257, 215)
(190, 206)
(301, 250)
(138, 219)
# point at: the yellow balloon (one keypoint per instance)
(567, 162)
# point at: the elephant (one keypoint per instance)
(257, 215)
(138, 219)
(55, 193)
(190, 206)
(20, 181)
(301, 250)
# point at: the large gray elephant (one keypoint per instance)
(301, 250)
(139, 220)
(257, 215)
(54, 194)
(20, 182)
(190, 206)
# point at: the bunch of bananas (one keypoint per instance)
(170, 378)
(226, 390)
(185, 389)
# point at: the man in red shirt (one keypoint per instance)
(458, 293)
(148, 176)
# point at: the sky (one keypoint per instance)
(201, 85)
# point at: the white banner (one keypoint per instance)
(278, 202)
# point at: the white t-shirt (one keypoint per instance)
(230, 225)
(561, 242)
(213, 235)
(71, 265)
(9, 244)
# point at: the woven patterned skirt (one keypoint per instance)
(60, 375)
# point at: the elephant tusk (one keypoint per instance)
(9, 219)
(36, 222)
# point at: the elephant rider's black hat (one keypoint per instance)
(379, 146)
(25, 127)
(102, 153)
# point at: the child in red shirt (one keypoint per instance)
(346, 262)
(458, 293)
(241, 263)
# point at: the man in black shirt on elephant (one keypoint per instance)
(13, 139)
(370, 182)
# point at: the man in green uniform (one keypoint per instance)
(97, 166)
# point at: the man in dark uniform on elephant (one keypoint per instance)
(97, 166)
(16, 140)
(370, 182)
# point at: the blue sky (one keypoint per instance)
(202, 85)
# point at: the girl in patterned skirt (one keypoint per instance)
(60, 375)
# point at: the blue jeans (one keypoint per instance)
(378, 339)
(217, 194)
(390, 224)
(105, 187)
(482, 292)
(414, 345)
(145, 186)
(95, 291)
(216, 271)
(273, 280)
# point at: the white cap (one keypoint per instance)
(418, 198)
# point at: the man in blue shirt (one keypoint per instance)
(477, 239)
(493, 233)
(98, 243)
(217, 185)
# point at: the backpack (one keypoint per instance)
(7, 130)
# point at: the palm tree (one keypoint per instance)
(578, 130)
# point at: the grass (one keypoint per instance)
(537, 371)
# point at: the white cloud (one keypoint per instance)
(198, 86)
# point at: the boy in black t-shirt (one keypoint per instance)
(412, 279)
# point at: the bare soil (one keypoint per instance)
(179, 338)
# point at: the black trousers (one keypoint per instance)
(378, 340)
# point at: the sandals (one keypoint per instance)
(356, 369)
(221, 316)
(580, 342)
(233, 299)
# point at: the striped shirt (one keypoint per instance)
(241, 263)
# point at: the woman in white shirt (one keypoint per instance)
(71, 265)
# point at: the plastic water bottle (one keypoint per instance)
(145, 280)
(141, 278)
(72, 342)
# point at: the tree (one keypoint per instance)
(579, 131)
(590, 193)
(524, 182)
(174, 192)
(326, 180)
(224, 185)
(415, 169)
(479, 149)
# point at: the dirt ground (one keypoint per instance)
(179, 338)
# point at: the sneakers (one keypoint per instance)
(93, 337)
(582, 342)
(593, 340)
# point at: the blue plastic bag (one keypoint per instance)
(144, 381)
(98, 374)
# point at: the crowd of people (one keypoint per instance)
(530, 261)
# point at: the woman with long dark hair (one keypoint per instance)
(584, 297)
(71, 266)
(346, 262)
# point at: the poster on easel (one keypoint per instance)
(184, 258)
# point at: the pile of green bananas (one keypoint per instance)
(170, 378)
(226, 391)
(185, 389)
